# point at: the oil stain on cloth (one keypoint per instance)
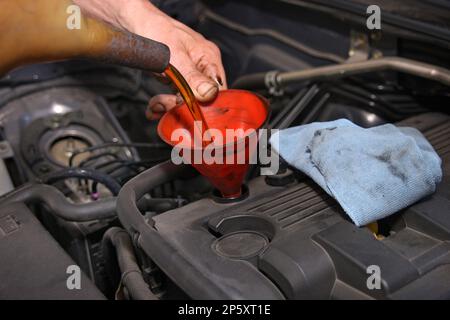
(372, 173)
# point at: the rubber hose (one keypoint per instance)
(83, 173)
(130, 194)
(58, 204)
(131, 274)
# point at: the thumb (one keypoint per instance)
(204, 88)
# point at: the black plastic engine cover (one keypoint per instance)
(33, 265)
(295, 242)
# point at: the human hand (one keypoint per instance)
(197, 59)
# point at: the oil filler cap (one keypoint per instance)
(241, 244)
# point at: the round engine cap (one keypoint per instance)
(241, 244)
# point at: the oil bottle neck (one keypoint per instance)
(41, 30)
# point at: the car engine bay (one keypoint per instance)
(86, 181)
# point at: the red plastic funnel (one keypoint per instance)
(226, 161)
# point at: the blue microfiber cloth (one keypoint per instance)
(372, 173)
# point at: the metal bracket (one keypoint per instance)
(5, 150)
(271, 82)
(359, 47)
